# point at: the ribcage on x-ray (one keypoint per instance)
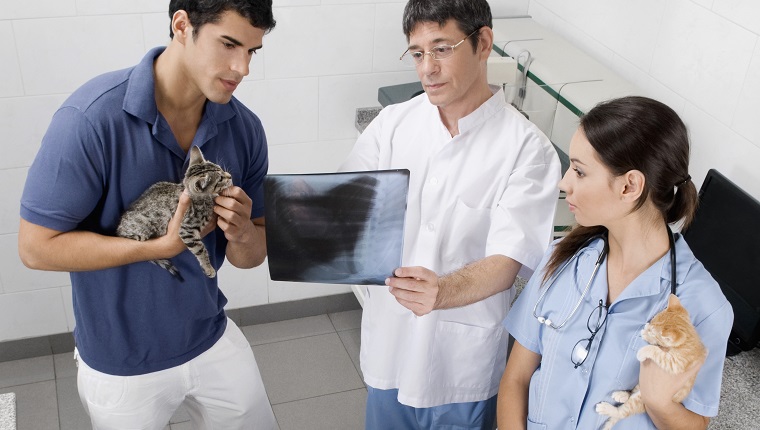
(344, 228)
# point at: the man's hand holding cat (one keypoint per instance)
(171, 241)
(246, 247)
(233, 208)
(415, 288)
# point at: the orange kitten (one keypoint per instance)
(674, 345)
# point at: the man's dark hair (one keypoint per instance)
(470, 15)
(201, 12)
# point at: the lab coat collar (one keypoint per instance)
(491, 106)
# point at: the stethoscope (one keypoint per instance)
(549, 323)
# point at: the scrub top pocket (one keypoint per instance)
(628, 374)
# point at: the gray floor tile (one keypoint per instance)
(348, 320)
(298, 309)
(70, 410)
(65, 365)
(287, 330)
(24, 348)
(352, 340)
(60, 343)
(36, 406)
(27, 371)
(332, 412)
(302, 368)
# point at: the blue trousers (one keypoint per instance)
(384, 412)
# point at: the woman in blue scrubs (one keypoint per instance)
(577, 325)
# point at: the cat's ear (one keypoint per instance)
(203, 183)
(196, 156)
(673, 301)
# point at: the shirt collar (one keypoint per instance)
(656, 279)
(494, 104)
(140, 97)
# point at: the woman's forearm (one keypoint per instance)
(512, 403)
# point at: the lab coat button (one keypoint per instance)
(434, 181)
(430, 226)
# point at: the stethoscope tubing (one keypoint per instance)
(549, 323)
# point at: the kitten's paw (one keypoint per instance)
(210, 272)
(645, 352)
(605, 408)
(621, 396)
(609, 424)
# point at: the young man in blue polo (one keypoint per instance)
(146, 342)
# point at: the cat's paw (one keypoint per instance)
(648, 351)
(609, 424)
(210, 272)
(607, 409)
(621, 396)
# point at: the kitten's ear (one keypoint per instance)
(196, 156)
(203, 183)
(673, 300)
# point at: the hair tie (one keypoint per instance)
(687, 179)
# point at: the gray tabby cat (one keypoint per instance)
(149, 215)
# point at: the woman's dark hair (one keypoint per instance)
(201, 12)
(470, 15)
(638, 133)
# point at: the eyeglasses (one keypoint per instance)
(596, 320)
(439, 52)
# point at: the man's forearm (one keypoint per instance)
(75, 251)
(246, 255)
(477, 281)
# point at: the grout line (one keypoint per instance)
(321, 395)
(10, 387)
(358, 369)
(295, 338)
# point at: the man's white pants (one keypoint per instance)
(221, 390)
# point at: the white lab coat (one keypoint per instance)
(492, 189)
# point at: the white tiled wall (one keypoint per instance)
(701, 57)
(324, 59)
(328, 57)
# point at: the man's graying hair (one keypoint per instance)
(470, 15)
(201, 12)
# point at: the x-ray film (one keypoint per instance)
(340, 228)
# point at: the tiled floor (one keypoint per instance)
(310, 368)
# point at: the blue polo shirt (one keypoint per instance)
(105, 146)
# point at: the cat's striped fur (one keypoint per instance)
(149, 215)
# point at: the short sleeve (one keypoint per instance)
(714, 331)
(522, 223)
(519, 321)
(66, 179)
(253, 184)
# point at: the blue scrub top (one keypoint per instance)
(562, 396)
